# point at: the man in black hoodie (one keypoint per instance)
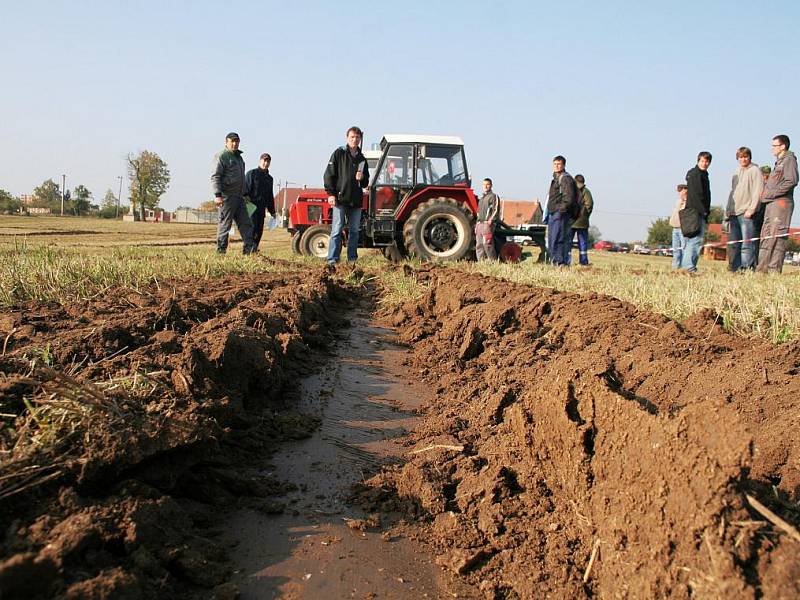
(345, 177)
(698, 199)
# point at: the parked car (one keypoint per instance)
(621, 248)
(663, 251)
(641, 249)
(603, 245)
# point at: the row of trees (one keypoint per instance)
(78, 202)
(149, 179)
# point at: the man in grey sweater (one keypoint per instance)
(230, 191)
(746, 187)
(778, 195)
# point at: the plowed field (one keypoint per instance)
(566, 426)
(570, 446)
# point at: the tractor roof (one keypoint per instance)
(406, 138)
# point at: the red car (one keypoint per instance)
(603, 245)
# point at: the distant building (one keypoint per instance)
(156, 215)
(517, 212)
(27, 199)
(38, 210)
(193, 215)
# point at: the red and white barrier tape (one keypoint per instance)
(728, 243)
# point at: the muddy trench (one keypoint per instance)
(278, 436)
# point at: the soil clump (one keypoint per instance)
(580, 447)
(130, 421)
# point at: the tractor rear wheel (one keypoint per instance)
(296, 242)
(315, 241)
(439, 230)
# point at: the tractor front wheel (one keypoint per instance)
(296, 242)
(316, 241)
(440, 230)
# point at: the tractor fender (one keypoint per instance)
(461, 195)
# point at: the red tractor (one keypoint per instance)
(419, 203)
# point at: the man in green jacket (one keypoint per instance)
(230, 190)
(581, 224)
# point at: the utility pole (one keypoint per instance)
(119, 198)
(284, 214)
(63, 188)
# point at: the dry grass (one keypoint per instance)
(46, 259)
(749, 304)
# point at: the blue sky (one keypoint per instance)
(628, 92)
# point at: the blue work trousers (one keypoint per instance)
(557, 244)
(692, 246)
(677, 247)
(341, 215)
(741, 255)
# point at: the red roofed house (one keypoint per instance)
(517, 212)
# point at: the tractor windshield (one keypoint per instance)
(441, 165)
(397, 167)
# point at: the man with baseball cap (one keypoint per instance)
(230, 190)
(260, 187)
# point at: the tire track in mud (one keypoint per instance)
(323, 545)
(588, 428)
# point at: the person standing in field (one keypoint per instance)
(694, 217)
(561, 207)
(488, 214)
(674, 220)
(758, 218)
(778, 195)
(581, 224)
(746, 186)
(346, 175)
(260, 188)
(230, 190)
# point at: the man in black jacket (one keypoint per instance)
(699, 200)
(562, 205)
(260, 187)
(345, 177)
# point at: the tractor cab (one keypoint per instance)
(410, 163)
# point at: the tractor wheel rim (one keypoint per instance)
(319, 244)
(441, 234)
